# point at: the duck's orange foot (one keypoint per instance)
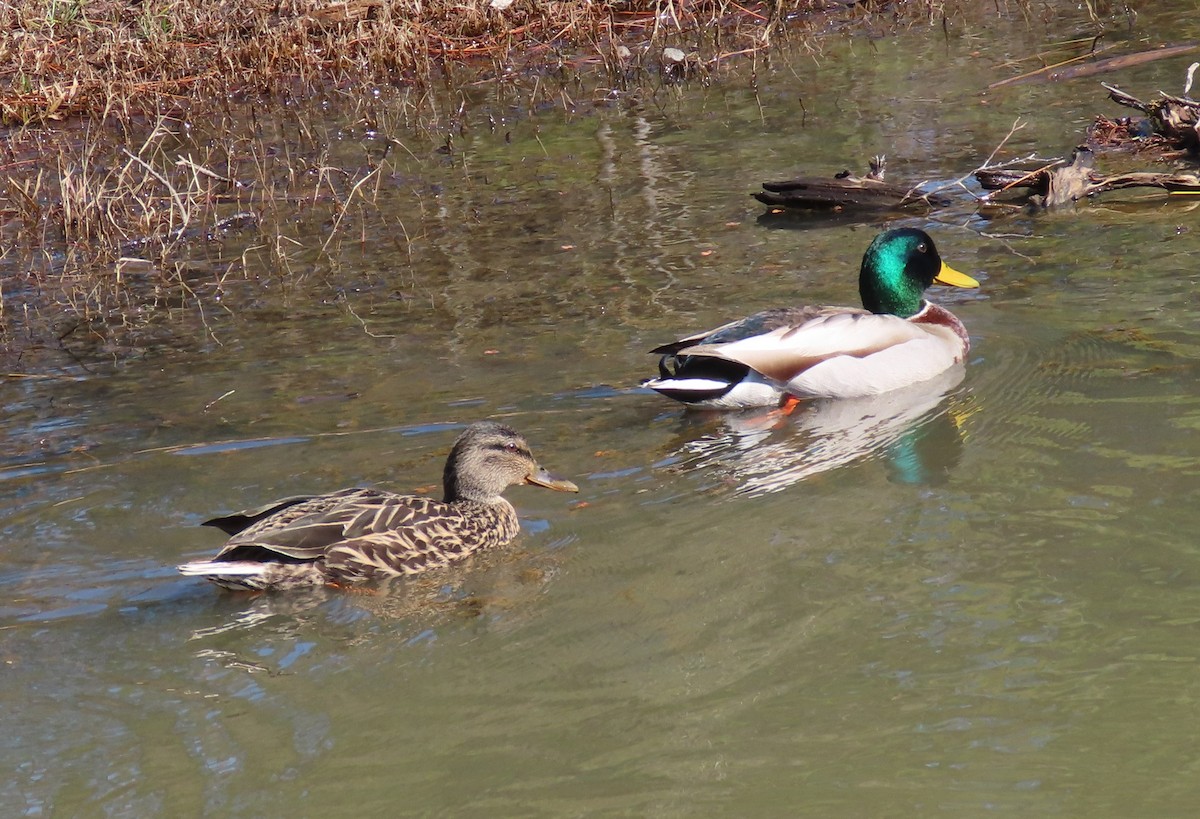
(790, 402)
(788, 406)
(768, 419)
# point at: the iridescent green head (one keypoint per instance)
(898, 267)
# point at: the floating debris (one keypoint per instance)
(847, 191)
(1063, 182)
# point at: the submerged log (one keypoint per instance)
(847, 191)
(1066, 71)
(1064, 182)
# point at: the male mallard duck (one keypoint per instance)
(360, 534)
(827, 352)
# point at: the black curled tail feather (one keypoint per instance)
(663, 371)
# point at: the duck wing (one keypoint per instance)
(696, 370)
(239, 521)
(361, 533)
(758, 324)
(301, 531)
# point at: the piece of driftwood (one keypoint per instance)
(1123, 61)
(1054, 184)
(847, 191)
(1065, 70)
(1063, 182)
(1176, 119)
(1046, 72)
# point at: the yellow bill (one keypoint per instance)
(948, 275)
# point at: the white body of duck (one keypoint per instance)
(828, 352)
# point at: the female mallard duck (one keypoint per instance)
(828, 352)
(361, 534)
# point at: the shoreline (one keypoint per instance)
(111, 198)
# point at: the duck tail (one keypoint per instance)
(243, 575)
(236, 575)
(206, 568)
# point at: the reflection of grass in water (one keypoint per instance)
(112, 232)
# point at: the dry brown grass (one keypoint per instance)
(102, 57)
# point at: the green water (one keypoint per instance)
(981, 599)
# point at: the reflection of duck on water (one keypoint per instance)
(915, 430)
(495, 587)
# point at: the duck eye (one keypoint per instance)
(922, 248)
(512, 447)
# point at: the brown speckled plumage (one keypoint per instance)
(355, 535)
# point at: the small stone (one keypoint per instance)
(673, 55)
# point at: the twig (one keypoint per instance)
(350, 310)
(1046, 68)
(345, 207)
(213, 402)
(184, 215)
(987, 163)
(1016, 183)
(203, 171)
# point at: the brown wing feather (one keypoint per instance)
(301, 531)
(356, 534)
(240, 521)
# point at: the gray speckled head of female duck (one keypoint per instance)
(488, 458)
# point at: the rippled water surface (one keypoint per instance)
(981, 597)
